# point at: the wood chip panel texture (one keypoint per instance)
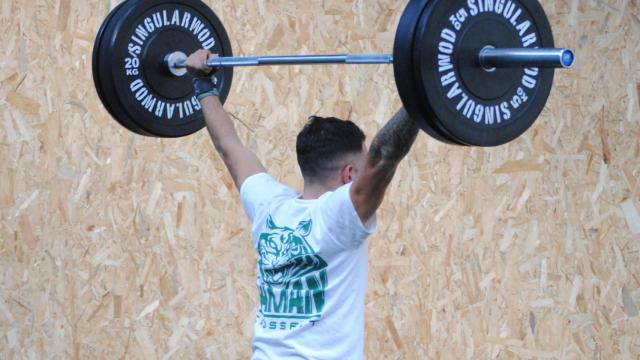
(114, 245)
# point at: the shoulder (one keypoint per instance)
(260, 190)
(340, 220)
(264, 182)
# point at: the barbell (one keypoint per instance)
(470, 72)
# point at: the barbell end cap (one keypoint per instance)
(175, 63)
(568, 58)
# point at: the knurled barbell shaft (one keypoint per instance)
(301, 60)
(240, 61)
(489, 58)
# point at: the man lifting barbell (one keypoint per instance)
(468, 72)
(312, 265)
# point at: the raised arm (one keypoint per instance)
(241, 162)
(388, 148)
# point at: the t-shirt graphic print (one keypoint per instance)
(293, 278)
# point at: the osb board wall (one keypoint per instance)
(119, 246)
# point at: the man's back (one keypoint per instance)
(312, 271)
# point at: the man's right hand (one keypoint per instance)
(197, 64)
(203, 82)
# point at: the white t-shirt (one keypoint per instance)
(312, 272)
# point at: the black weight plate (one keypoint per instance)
(102, 56)
(475, 106)
(406, 79)
(136, 85)
(96, 53)
(96, 73)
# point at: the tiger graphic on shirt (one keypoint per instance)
(292, 277)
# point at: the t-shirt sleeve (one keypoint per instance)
(259, 190)
(341, 220)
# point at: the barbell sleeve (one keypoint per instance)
(491, 58)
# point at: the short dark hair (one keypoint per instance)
(324, 141)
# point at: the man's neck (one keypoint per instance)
(314, 191)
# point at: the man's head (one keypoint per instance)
(330, 151)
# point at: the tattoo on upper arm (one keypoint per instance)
(394, 141)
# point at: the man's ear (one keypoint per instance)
(346, 174)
